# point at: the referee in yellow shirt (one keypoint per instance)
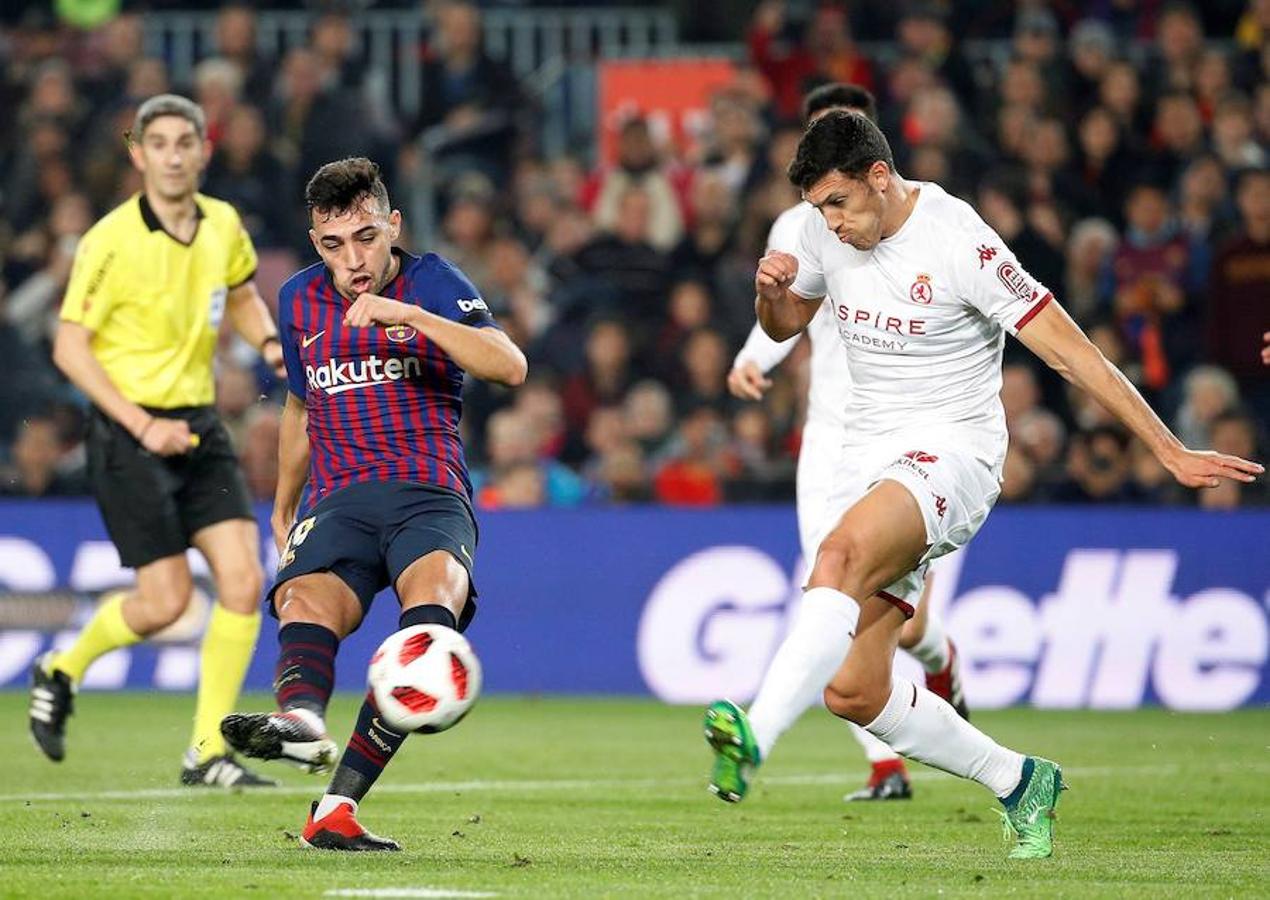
(150, 285)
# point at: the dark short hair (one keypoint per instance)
(340, 186)
(840, 95)
(840, 141)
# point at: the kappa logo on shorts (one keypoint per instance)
(921, 456)
(921, 291)
(941, 505)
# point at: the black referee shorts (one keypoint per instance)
(154, 504)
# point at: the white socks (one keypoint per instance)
(329, 803)
(932, 650)
(923, 727)
(874, 750)
(811, 653)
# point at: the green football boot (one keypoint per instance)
(1029, 814)
(735, 752)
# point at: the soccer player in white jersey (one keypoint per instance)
(823, 435)
(923, 293)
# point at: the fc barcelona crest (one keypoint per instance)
(400, 334)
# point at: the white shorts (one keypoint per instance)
(954, 489)
(818, 456)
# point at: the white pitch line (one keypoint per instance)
(569, 784)
(405, 892)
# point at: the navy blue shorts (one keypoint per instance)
(367, 534)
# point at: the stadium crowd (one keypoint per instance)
(1117, 148)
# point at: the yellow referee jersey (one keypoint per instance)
(155, 304)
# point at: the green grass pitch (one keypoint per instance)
(586, 798)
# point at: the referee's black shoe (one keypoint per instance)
(220, 771)
(52, 700)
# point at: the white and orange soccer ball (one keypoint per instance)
(424, 678)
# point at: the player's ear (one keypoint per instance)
(313, 238)
(394, 225)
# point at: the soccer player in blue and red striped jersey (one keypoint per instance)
(376, 343)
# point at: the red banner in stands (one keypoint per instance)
(673, 94)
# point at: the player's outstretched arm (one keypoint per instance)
(781, 312)
(486, 353)
(1055, 338)
(293, 467)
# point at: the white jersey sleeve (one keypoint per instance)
(809, 283)
(764, 352)
(760, 349)
(992, 280)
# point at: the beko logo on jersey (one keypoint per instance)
(473, 305)
(337, 377)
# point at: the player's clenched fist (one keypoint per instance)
(776, 272)
(371, 309)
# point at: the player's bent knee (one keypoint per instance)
(860, 704)
(307, 601)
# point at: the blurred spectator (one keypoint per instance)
(1151, 274)
(1208, 392)
(1234, 140)
(1018, 477)
(1179, 41)
(757, 470)
(1098, 469)
(704, 362)
(32, 306)
(472, 105)
(1103, 164)
(934, 121)
(1000, 209)
(649, 415)
(624, 259)
(1238, 308)
(713, 229)
(468, 230)
(733, 152)
(512, 444)
(1093, 49)
(236, 42)
(924, 37)
(692, 471)
(1040, 438)
(1089, 251)
(1235, 433)
(520, 485)
(1201, 213)
(620, 475)
(793, 62)
(34, 468)
(217, 87)
(245, 173)
(639, 166)
(1020, 393)
(258, 450)
(1121, 94)
(236, 395)
(606, 376)
(1179, 135)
